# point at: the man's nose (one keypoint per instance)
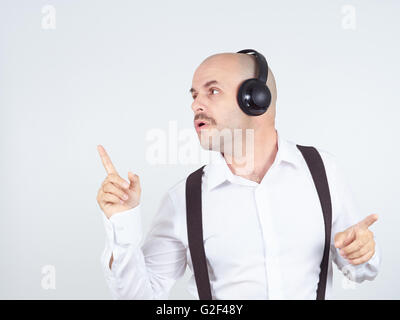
(197, 106)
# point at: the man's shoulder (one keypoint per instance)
(327, 156)
(332, 164)
(178, 189)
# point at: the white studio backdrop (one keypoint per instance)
(75, 74)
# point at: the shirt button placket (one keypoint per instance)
(259, 195)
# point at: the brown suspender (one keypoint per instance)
(317, 169)
(195, 225)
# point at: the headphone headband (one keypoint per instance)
(261, 62)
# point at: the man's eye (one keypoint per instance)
(214, 89)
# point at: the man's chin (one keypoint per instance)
(208, 143)
(214, 140)
(212, 145)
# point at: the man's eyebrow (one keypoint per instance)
(207, 84)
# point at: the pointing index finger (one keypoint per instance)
(106, 160)
(365, 223)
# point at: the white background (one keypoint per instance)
(112, 71)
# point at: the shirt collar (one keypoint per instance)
(217, 170)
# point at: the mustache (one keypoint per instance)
(205, 118)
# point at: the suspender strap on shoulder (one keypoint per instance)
(317, 169)
(195, 233)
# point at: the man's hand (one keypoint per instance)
(116, 194)
(356, 243)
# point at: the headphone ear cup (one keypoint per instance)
(253, 97)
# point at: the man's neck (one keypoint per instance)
(254, 165)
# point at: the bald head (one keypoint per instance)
(241, 67)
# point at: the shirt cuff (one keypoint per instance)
(124, 228)
(365, 271)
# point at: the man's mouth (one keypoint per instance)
(201, 124)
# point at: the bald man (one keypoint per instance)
(263, 229)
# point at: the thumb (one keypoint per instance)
(342, 239)
(134, 181)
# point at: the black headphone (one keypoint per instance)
(254, 97)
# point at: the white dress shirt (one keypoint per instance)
(262, 240)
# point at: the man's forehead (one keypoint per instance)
(212, 72)
(221, 74)
(226, 68)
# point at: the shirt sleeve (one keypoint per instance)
(143, 268)
(345, 213)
